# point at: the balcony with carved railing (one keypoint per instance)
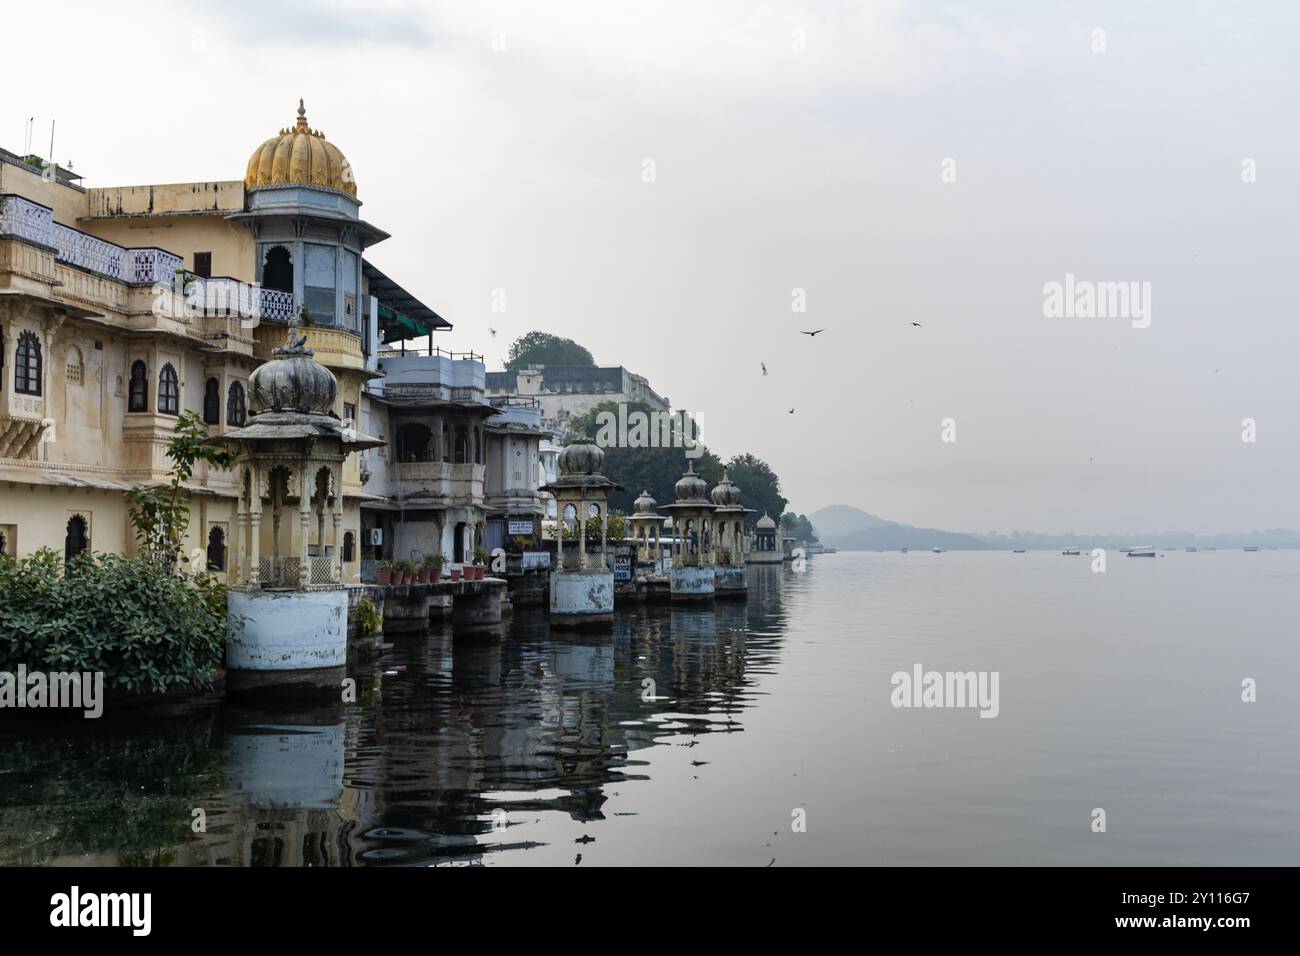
(23, 219)
(139, 288)
(333, 346)
(453, 483)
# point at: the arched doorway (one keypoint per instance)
(216, 549)
(458, 543)
(77, 540)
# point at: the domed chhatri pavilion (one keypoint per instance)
(647, 528)
(582, 584)
(692, 577)
(767, 543)
(731, 544)
(288, 610)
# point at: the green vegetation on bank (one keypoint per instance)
(657, 469)
(147, 629)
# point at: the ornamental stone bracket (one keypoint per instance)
(20, 437)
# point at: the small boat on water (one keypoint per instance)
(937, 550)
(903, 551)
(1141, 552)
(1250, 548)
(1018, 551)
(1189, 550)
(1070, 551)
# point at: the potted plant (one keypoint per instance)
(481, 556)
(520, 543)
(455, 574)
(435, 562)
(422, 570)
(408, 571)
(385, 576)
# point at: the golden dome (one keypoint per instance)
(300, 156)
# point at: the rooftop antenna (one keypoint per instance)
(27, 136)
(50, 156)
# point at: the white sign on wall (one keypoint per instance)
(519, 527)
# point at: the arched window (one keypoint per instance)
(446, 443)
(414, 443)
(462, 445)
(77, 540)
(349, 546)
(235, 410)
(277, 269)
(216, 549)
(212, 402)
(27, 365)
(169, 391)
(138, 395)
(478, 446)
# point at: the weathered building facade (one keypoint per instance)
(121, 308)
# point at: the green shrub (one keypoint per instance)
(369, 620)
(145, 628)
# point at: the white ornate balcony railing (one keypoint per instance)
(80, 249)
(152, 265)
(276, 306)
(24, 219)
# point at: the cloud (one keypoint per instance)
(288, 23)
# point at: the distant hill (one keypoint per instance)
(852, 529)
(843, 519)
(891, 537)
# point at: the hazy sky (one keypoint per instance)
(777, 168)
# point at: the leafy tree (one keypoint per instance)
(160, 516)
(644, 469)
(798, 526)
(760, 488)
(542, 348)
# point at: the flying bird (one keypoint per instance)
(492, 332)
(813, 333)
(764, 365)
(917, 324)
(792, 411)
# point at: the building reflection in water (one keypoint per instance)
(453, 748)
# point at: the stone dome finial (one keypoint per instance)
(644, 504)
(690, 486)
(582, 457)
(293, 381)
(725, 494)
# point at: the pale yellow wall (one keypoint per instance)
(225, 196)
(68, 202)
(36, 516)
(40, 516)
(234, 251)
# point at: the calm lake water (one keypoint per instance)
(1119, 691)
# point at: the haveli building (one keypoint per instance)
(122, 307)
(563, 392)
